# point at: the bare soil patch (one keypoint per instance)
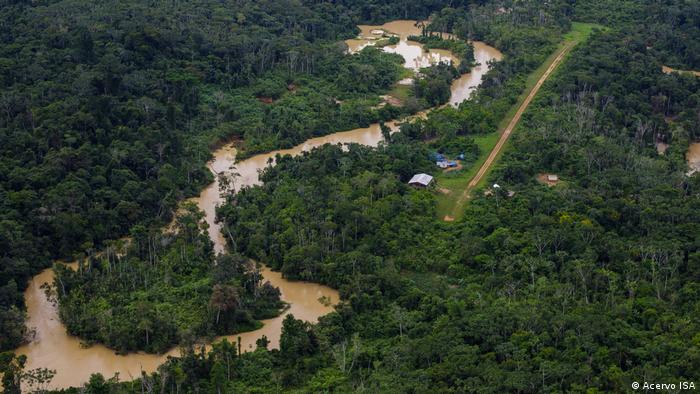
(545, 179)
(457, 168)
(443, 190)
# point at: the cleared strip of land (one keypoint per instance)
(669, 70)
(513, 122)
(452, 205)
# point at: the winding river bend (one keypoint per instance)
(53, 348)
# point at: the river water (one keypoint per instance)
(693, 158)
(53, 348)
(413, 53)
(416, 56)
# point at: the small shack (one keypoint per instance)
(548, 179)
(421, 180)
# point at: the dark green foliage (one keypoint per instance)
(344, 220)
(11, 368)
(338, 96)
(433, 84)
(669, 30)
(380, 11)
(108, 110)
(586, 286)
(16, 379)
(166, 289)
(455, 146)
(525, 47)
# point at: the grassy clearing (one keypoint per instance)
(452, 204)
(579, 32)
(401, 92)
(456, 181)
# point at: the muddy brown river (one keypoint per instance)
(413, 53)
(53, 348)
(693, 158)
(416, 56)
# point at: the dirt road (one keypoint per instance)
(509, 129)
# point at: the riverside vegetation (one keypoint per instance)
(586, 286)
(109, 112)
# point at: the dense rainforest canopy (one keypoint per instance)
(588, 284)
(109, 110)
(201, 296)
